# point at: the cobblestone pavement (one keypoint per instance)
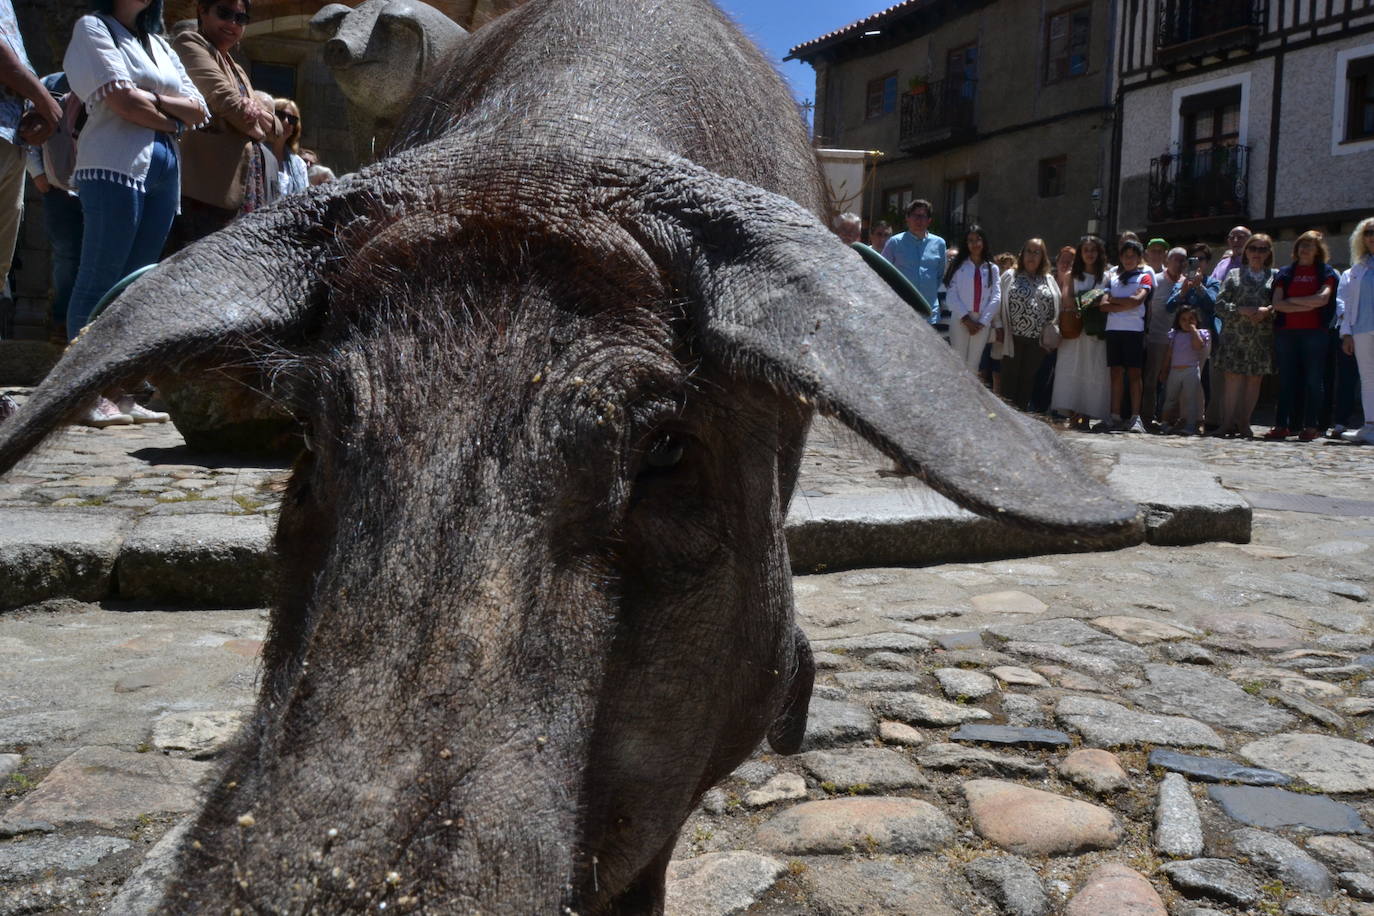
(1174, 730)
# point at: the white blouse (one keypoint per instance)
(104, 56)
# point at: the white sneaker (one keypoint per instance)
(104, 414)
(1362, 436)
(1136, 426)
(139, 413)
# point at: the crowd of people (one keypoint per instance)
(1162, 341)
(141, 145)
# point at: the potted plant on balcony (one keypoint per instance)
(917, 85)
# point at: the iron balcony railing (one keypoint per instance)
(938, 112)
(1196, 28)
(1197, 184)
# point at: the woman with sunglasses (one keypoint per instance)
(1356, 296)
(128, 165)
(292, 172)
(226, 170)
(1247, 330)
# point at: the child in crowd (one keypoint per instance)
(1182, 376)
(1129, 286)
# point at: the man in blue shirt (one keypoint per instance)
(919, 255)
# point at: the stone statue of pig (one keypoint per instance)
(381, 53)
(556, 359)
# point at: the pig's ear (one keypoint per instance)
(777, 296)
(260, 279)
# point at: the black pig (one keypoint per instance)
(556, 358)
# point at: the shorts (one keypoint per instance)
(1126, 349)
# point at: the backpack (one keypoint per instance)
(59, 150)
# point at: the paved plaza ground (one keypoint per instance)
(1174, 729)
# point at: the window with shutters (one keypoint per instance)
(1067, 34)
(881, 97)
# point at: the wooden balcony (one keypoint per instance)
(1190, 30)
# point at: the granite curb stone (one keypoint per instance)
(200, 559)
(56, 553)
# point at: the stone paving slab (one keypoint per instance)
(50, 553)
(107, 788)
(215, 560)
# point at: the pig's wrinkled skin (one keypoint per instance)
(556, 359)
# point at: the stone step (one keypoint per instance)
(214, 559)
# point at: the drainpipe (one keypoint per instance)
(1112, 96)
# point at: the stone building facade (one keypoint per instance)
(997, 111)
(280, 56)
(1258, 112)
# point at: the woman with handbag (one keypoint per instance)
(1030, 304)
(1082, 384)
(128, 165)
(226, 168)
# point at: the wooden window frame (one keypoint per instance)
(877, 88)
(1042, 178)
(1359, 91)
(1051, 74)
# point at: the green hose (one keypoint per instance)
(115, 290)
(894, 278)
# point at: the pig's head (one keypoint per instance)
(535, 588)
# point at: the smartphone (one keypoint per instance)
(1193, 264)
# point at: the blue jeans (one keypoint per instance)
(1301, 363)
(125, 229)
(62, 219)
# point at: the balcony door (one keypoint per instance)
(1211, 161)
(1211, 120)
(961, 71)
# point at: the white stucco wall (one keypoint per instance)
(1317, 174)
(1151, 126)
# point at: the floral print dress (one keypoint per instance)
(1247, 346)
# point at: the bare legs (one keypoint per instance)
(1119, 375)
(1241, 394)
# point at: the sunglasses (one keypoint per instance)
(225, 14)
(1369, 232)
(288, 118)
(1265, 250)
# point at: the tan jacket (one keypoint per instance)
(214, 159)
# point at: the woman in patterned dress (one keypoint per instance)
(1247, 316)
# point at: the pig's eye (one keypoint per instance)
(664, 452)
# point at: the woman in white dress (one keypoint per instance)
(1082, 383)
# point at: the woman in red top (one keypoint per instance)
(1305, 300)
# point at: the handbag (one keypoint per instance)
(59, 150)
(1050, 337)
(1070, 324)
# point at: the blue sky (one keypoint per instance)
(778, 25)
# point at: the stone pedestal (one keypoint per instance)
(225, 411)
(26, 362)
